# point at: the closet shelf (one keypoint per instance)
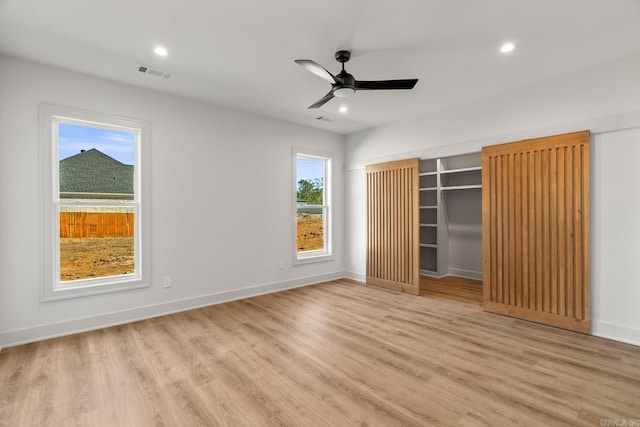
(471, 169)
(428, 245)
(427, 173)
(461, 187)
(428, 188)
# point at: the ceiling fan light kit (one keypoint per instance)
(344, 84)
(343, 92)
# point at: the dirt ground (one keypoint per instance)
(85, 258)
(310, 232)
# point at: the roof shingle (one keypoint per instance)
(92, 171)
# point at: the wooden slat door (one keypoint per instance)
(535, 228)
(393, 226)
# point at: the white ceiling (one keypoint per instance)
(240, 53)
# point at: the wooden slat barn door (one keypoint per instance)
(535, 229)
(393, 226)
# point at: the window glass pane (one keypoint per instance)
(310, 193)
(96, 165)
(310, 229)
(96, 242)
(310, 179)
(312, 210)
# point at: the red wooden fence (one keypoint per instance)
(96, 224)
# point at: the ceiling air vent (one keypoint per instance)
(324, 119)
(155, 72)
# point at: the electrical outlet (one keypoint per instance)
(166, 282)
(281, 265)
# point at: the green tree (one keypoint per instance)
(311, 190)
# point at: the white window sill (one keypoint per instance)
(90, 287)
(310, 258)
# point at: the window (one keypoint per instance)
(312, 191)
(94, 220)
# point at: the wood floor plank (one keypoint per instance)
(338, 353)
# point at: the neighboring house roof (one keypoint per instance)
(95, 173)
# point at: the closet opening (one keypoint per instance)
(451, 227)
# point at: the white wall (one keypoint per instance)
(615, 236)
(220, 202)
(550, 106)
(601, 99)
(464, 226)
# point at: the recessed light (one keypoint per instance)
(344, 109)
(507, 48)
(161, 51)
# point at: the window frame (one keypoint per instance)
(52, 288)
(325, 254)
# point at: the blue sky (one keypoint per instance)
(117, 144)
(309, 169)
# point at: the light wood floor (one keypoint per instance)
(452, 288)
(334, 354)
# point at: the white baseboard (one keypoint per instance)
(429, 273)
(467, 274)
(616, 332)
(53, 330)
(358, 277)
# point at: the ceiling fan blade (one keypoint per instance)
(386, 84)
(319, 103)
(317, 69)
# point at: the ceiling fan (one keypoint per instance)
(344, 84)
